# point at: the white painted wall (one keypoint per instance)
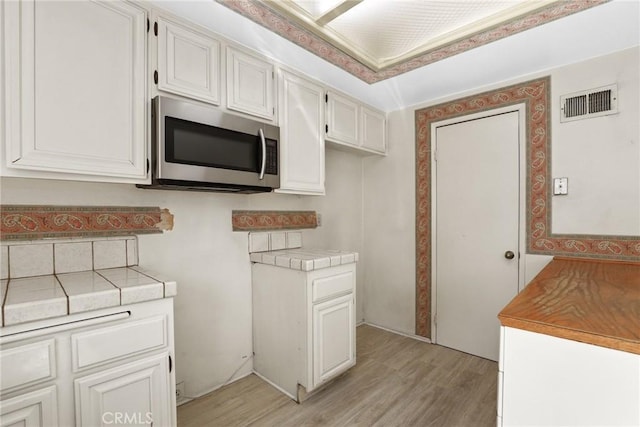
(389, 229)
(210, 262)
(601, 155)
(389, 184)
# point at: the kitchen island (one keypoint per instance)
(570, 347)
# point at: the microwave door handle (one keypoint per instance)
(264, 154)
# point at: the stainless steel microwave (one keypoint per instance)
(195, 147)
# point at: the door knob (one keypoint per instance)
(509, 255)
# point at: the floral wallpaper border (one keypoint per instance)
(260, 13)
(273, 220)
(535, 95)
(29, 222)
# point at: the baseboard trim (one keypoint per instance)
(211, 390)
(415, 337)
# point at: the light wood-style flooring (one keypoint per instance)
(398, 381)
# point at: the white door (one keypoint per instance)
(476, 230)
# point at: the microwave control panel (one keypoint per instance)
(271, 166)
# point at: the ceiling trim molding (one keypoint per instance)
(260, 13)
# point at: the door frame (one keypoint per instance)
(522, 197)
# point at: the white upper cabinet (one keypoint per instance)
(373, 129)
(301, 135)
(75, 90)
(250, 84)
(354, 125)
(188, 62)
(342, 119)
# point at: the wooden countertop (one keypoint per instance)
(591, 301)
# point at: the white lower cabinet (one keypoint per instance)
(548, 381)
(111, 366)
(304, 325)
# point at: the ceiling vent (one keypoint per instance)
(590, 103)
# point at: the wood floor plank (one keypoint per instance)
(397, 381)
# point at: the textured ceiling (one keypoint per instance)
(379, 39)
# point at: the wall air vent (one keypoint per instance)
(590, 103)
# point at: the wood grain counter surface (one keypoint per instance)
(591, 301)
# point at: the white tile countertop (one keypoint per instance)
(304, 259)
(41, 297)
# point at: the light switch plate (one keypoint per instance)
(560, 186)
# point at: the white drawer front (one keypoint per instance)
(115, 342)
(27, 364)
(338, 284)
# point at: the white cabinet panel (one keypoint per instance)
(76, 88)
(373, 130)
(35, 409)
(115, 342)
(301, 136)
(250, 84)
(138, 391)
(333, 285)
(333, 337)
(27, 364)
(342, 119)
(188, 62)
(550, 381)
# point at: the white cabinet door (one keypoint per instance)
(250, 82)
(137, 393)
(35, 409)
(188, 62)
(334, 347)
(301, 137)
(373, 130)
(342, 119)
(75, 88)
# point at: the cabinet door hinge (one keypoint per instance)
(170, 364)
(155, 29)
(148, 165)
(435, 155)
(155, 76)
(148, 25)
(326, 128)
(326, 97)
